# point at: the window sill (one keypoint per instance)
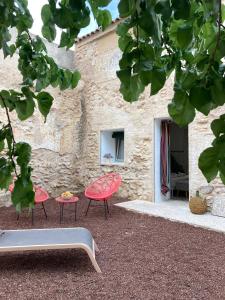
(112, 164)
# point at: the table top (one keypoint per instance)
(73, 199)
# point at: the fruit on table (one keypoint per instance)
(67, 195)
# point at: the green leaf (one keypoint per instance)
(39, 45)
(104, 18)
(208, 163)
(126, 7)
(144, 65)
(157, 81)
(148, 51)
(65, 79)
(188, 80)
(218, 92)
(123, 27)
(218, 126)
(8, 100)
(23, 153)
(23, 194)
(181, 110)
(209, 31)
(181, 9)
(9, 140)
(49, 32)
(146, 77)
(24, 22)
(223, 12)
(64, 18)
(149, 21)
(6, 50)
(200, 98)
(181, 33)
(102, 3)
(27, 92)
(65, 39)
(222, 169)
(75, 79)
(124, 76)
(45, 101)
(39, 85)
(131, 87)
(163, 7)
(46, 14)
(2, 145)
(184, 35)
(126, 43)
(25, 108)
(5, 173)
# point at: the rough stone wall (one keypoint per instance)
(54, 143)
(97, 58)
(66, 149)
(105, 109)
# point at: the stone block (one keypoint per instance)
(218, 206)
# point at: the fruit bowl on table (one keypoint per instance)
(67, 195)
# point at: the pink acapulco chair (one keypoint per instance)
(102, 189)
(40, 197)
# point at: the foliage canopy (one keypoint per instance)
(156, 37)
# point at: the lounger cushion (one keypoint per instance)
(55, 238)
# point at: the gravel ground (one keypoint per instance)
(141, 257)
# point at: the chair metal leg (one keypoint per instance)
(105, 207)
(88, 207)
(32, 216)
(75, 211)
(44, 210)
(60, 213)
(62, 210)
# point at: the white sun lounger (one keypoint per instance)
(56, 238)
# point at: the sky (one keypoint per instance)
(35, 10)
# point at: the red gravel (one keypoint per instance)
(141, 257)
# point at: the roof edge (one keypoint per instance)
(94, 32)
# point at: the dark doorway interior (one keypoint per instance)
(179, 176)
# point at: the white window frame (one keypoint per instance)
(112, 162)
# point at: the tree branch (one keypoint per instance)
(219, 29)
(219, 22)
(137, 38)
(12, 134)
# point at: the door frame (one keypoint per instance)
(158, 196)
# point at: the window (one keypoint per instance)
(112, 146)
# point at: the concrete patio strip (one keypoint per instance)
(175, 210)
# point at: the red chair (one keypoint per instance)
(102, 189)
(40, 197)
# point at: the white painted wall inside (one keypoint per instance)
(108, 145)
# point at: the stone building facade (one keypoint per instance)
(66, 149)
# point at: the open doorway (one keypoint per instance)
(171, 161)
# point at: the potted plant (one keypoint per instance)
(108, 157)
(198, 204)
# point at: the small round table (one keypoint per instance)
(63, 201)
